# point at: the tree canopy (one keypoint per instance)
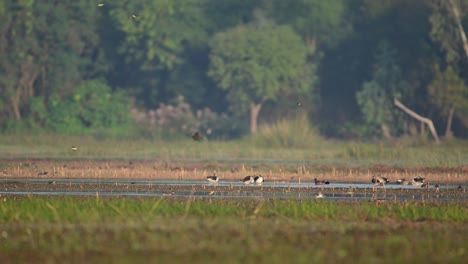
(259, 62)
(231, 63)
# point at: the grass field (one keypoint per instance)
(320, 152)
(25, 156)
(130, 230)
(64, 229)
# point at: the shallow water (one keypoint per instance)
(281, 190)
(251, 195)
(221, 183)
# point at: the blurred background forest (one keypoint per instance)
(233, 68)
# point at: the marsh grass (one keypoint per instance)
(296, 133)
(129, 230)
(307, 149)
(72, 209)
(227, 171)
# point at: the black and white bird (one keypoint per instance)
(213, 178)
(248, 180)
(402, 182)
(258, 179)
(418, 181)
(320, 182)
(379, 181)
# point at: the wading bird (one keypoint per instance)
(248, 180)
(379, 181)
(317, 182)
(73, 148)
(402, 182)
(213, 178)
(418, 181)
(258, 179)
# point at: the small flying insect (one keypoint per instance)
(100, 5)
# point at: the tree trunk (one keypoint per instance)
(448, 129)
(386, 131)
(16, 108)
(24, 89)
(254, 111)
(413, 114)
(456, 12)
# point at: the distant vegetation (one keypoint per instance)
(272, 144)
(165, 69)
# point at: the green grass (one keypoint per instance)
(248, 150)
(132, 230)
(70, 209)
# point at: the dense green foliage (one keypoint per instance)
(341, 61)
(376, 96)
(259, 62)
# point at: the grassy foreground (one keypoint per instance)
(164, 230)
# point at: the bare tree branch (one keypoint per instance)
(413, 114)
(456, 12)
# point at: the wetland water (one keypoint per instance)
(229, 189)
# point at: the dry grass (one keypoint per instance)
(227, 171)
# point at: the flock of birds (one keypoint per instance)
(418, 181)
(257, 179)
(376, 180)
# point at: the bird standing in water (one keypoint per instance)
(258, 179)
(418, 181)
(402, 182)
(248, 180)
(317, 182)
(213, 178)
(379, 181)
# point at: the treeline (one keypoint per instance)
(225, 66)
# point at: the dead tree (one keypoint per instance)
(456, 12)
(414, 115)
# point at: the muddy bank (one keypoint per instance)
(196, 170)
